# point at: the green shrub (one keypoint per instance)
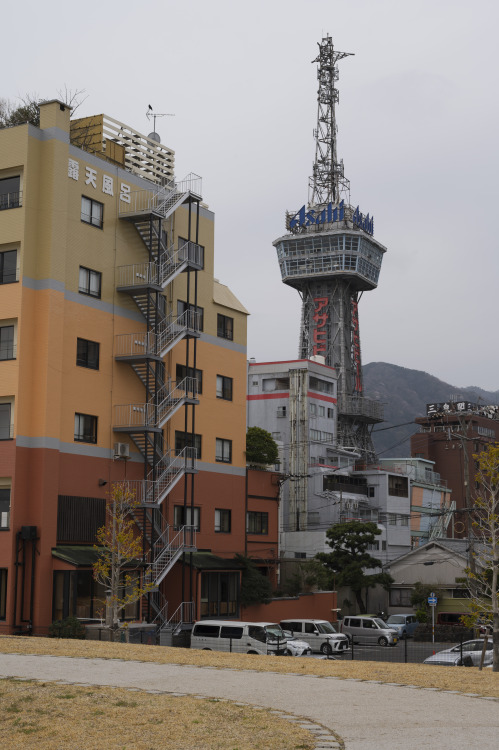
(71, 627)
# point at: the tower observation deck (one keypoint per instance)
(331, 257)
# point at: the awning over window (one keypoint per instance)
(81, 556)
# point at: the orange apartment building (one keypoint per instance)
(122, 358)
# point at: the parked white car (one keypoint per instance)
(295, 646)
(472, 653)
(320, 634)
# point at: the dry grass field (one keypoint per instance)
(60, 717)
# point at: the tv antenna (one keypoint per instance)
(150, 113)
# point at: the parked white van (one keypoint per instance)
(366, 629)
(239, 637)
(321, 635)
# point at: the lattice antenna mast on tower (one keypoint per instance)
(328, 183)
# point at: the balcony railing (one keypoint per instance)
(135, 344)
(129, 416)
(11, 200)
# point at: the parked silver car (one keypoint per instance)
(471, 655)
(405, 625)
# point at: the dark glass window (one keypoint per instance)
(189, 372)
(225, 327)
(196, 320)
(183, 439)
(10, 195)
(85, 428)
(87, 354)
(90, 282)
(257, 523)
(224, 387)
(223, 451)
(7, 342)
(222, 521)
(92, 212)
(5, 422)
(5, 508)
(8, 267)
(219, 594)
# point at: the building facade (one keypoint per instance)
(450, 435)
(122, 360)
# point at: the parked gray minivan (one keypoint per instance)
(365, 629)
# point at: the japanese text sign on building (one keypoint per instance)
(106, 185)
(320, 319)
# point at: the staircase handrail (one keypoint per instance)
(179, 616)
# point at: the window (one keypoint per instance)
(323, 386)
(8, 267)
(219, 594)
(392, 519)
(92, 212)
(276, 435)
(195, 318)
(257, 523)
(222, 521)
(225, 327)
(184, 440)
(10, 194)
(7, 342)
(313, 410)
(330, 413)
(87, 354)
(404, 520)
(3, 593)
(85, 428)
(398, 486)
(90, 282)
(400, 597)
(5, 422)
(281, 411)
(321, 411)
(79, 518)
(183, 517)
(224, 387)
(5, 508)
(223, 451)
(189, 372)
(371, 492)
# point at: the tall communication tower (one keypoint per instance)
(330, 256)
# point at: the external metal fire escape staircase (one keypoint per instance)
(144, 351)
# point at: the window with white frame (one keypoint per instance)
(281, 411)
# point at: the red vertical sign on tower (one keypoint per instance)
(320, 319)
(356, 346)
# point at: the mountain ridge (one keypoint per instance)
(405, 393)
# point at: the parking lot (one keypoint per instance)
(407, 651)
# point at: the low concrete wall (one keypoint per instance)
(320, 605)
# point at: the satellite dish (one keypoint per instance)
(154, 137)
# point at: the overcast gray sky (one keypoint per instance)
(418, 126)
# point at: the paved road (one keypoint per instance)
(367, 716)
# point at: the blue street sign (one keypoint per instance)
(432, 600)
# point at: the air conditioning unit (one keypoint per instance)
(121, 450)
